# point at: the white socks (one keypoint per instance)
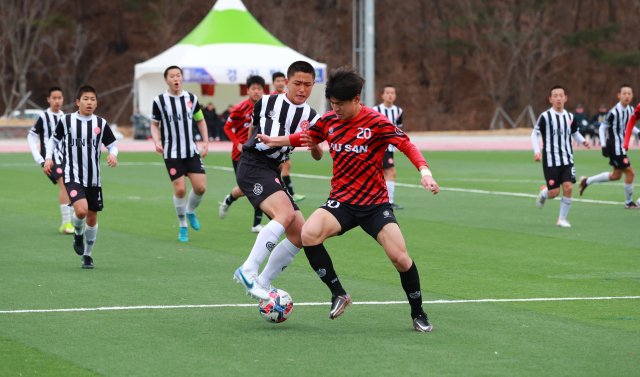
(66, 213)
(565, 206)
(391, 188)
(78, 224)
(544, 193)
(602, 177)
(193, 203)
(265, 242)
(280, 258)
(628, 192)
(181, 210)
(90, 238)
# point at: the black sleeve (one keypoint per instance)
(59, 134)
(38, 127)
(107, 138)
(256, 114)
(611, 118)
(574, 124)
(156, 115)
(399, 119)
(197, 107)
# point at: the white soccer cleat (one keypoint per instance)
(540, 200)
(257, 228)
(563, 224)
(224, 208)
(251, 284)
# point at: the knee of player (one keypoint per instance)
(553, 193)
(310, 235)
(402, 262)
(200, 190)
(81, 212)
(180, 193)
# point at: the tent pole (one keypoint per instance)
(370, 54)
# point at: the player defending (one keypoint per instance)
(394, 113)
(613, 131)
(556, 125)
(176, 110)
(258, 177)
(44, 127)
(237, 130)
(358, 137)
(81, 134)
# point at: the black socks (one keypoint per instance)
(257, 217)
(230, 199)
(410, 281)
(288, 184)
(321, 263)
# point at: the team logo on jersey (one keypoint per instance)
(626, 160)
(551, 182)
(73, 193)
(246, 125)
(304, 125)
(189, 104)
(386, 214)
(97, 130)
(272, 114)
(59, 170)
(330, 130)
(257, 189)
(277, 181)
(399, 131)
(172, 171)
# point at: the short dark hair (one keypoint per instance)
(86, 89)
(387, 86)
(343, 84)
(301, 66)
(624, 86)
(280, 74)
(255, 80)
(557, 87)
(53, 89)
(166, 71)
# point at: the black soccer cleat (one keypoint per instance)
(631, 205)
(338, 304)
(421, 323)
(395, 206)
(87, 262)
(78, 243)
(583, 184)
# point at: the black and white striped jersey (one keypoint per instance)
(44, 127)
(394, 113)
(275, 115)
(174, 115)
(79, 137)
(556, 130)
(616, 123)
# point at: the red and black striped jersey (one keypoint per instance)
(237, 126)
(357, 147)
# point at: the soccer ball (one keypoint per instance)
(278, 308)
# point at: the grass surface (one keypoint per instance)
(466, 245)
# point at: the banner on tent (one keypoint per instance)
(234, 75)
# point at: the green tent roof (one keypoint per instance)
(230, 22)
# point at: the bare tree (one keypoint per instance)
(168, 14)
(22, 23)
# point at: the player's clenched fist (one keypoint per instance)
(47, 166)
(537, 156)
(112, 161)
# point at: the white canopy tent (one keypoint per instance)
(226, 47)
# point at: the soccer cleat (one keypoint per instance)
(87, 262)
(193, 221)
(421, 323)
(583, 184)
(78, 243)
(251, 285)
(338, 304)
(563, 224)
(631, 205)
(257, 228)
(298, 197)
(395, 206)
(224, 208)
(184, 234)
(69, 229)
(540, 200)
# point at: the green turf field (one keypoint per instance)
(467, 246)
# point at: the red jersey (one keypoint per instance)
(237, 126)
(274, 92)
(357, 148)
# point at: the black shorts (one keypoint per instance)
(178, 167)
(235, 165)
(57, 172)
(371, 218)
(618, 162)
(387, 160)
(555, 176)
(258, 181)
(93, 195)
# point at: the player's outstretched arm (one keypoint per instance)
(274, 141)
(155, 134)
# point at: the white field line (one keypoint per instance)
(322, 177)
(311, 304)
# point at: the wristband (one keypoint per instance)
(424, 172)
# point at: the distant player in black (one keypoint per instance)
(612, 132)
(81, 135)
(175, 113)
(556, 126)
(43, 128)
